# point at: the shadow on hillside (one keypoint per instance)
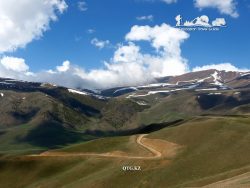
(24, 117)
(227, 102)
(144, 129)
(2, 132)
(51, 134)
(71, 102)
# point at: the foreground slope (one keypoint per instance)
(212, 148)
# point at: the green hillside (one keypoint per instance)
(213, 148)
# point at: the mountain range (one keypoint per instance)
(43, 115)
(190, 130)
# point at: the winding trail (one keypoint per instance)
(156, 154)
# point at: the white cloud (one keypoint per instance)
(12, 67)
(23, 21)
(221, 67)
(224, 6)
(99, 43)
(163, 37)
(128, 53)
(82, 6)
(219, 22)
(14, 64)
(129, 66)
(166, 40)
(148, 18)
(64, 67)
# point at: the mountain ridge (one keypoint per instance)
(32, 112)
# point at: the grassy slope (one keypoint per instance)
(170, 108)
(72, 113)
(187, 104)
(53, 123)
(211, 146)
(31, 138)
(9, 143)
(102, 145)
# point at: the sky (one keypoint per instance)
(102, 44)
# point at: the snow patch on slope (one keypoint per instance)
(124, 89)
(78, 92)
(87, 94)
(214, 93)
(153, 93)
(156, 85)
(141, 103)
(217, 79)
(207, 89)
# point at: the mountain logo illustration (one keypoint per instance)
(200, 21)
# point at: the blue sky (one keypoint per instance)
(68, 37)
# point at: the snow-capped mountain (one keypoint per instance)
(208, 80)
(202, 80)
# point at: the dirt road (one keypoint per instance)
(156, 154)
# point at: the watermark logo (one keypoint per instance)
(201, 23)
(131, 168)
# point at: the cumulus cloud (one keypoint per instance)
(224, 6)
(100, 43)
(127, 53)
(147, 18)
(26, 20)
(14, 64)
(164, 37)
(64, 67)
(221, 67)
(12, 67)
(82, 6)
